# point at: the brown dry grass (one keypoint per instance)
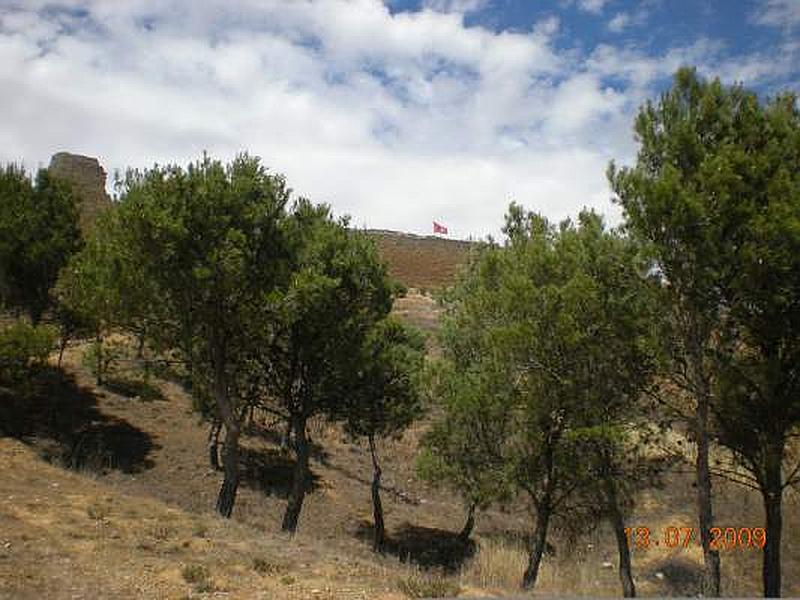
(421, 262)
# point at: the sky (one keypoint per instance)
(396, 112)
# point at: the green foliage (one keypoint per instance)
(314, 328)
(208, 247)
(384, 399)
(546, 348)
(24, 349)
(461, 448)
(105, 285)
(759, 354)
(715, 193)
(545, 344)
(99, 356)
(38, 233)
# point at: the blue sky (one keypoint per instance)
(397, 113)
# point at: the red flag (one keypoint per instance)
(439, 228)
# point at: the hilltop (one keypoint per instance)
(422, 262)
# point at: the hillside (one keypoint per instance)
(422, 262)
(107, 493)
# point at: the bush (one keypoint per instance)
(428, 585)
(101, 355)
(196, 574)
(24, 349)
(264, 566)
(99, 511)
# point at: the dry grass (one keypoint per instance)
(421, 584)
(126, 525)
(419, 310)
(421, 262)
(497, 565)
(76, 537)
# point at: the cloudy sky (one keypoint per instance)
(397, 112)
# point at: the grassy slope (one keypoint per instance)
(134, 511)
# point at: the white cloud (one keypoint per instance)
(394, 118)
(778, 13)
(592, 6)
(640, 16)
(619, 22)
(457, 6)
(548, 26)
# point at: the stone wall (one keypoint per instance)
(88, 179)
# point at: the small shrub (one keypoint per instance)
(195, 574)
(205, 587)
(287, 580)
(428, 585)
(133, 388)
(266, 567)
(99, 357)
(162, 532)
(24, 349)
(98, 510)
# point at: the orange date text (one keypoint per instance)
(719, 538)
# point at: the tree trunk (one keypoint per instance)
(711, 573)
(618, 524)
(300, 476)
(227, 493)
(213, 444)
(539, 541)
(61, 347)
(141, 354)
(466, 531)
(772, 493)
(705, 509)
(377, 508)
(140, 347)
(286, 440)
(98, 340)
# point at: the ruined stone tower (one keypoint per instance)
(88, 179)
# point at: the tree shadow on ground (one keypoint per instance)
(427, 547)
(398, 494)
(133, 388)
(677, 577)
(270, 471)
(63, 422)
(273, 433)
